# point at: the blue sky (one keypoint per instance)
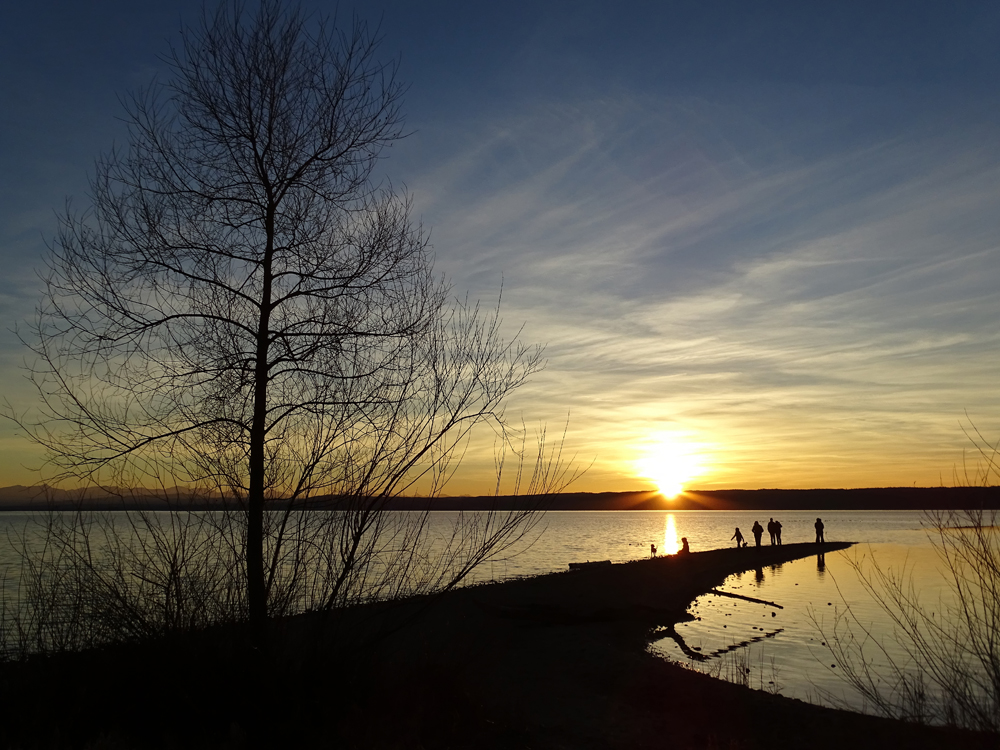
(759, 240)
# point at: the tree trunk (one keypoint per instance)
(256, 590)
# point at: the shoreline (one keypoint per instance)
(653, 590)
(567, 662)
(552, 661)
(561, 660)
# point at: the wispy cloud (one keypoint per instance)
(817, 320)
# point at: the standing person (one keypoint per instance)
(777, 531)
(738, 536)
(652, 550)
(758, 532)
(770, 529)
(819, 531)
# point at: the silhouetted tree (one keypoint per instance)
(942, 661)
(245, 311)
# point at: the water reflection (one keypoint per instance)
(792, 629)
(671, 542)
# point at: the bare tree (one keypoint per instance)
(243, 310)
(942, 663)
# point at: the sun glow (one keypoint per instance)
(671, 462)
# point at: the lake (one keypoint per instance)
(785, 648)
(780, 646)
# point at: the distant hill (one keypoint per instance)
(20, 497)
(883, 498)
(875, 498)
(40, 497)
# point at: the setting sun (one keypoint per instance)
(671, 463)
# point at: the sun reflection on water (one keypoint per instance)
(671, 542)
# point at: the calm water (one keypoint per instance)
(777, 648)
(782, 646)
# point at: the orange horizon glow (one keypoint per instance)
(671, 462)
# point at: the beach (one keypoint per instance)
(551, 661)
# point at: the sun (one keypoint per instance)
(671, 463)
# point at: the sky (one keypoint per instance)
(760, 241)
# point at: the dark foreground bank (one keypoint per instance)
(556, 661)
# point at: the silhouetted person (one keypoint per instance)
(652, 550)
(685, 549)
(758, 532)
(738, 536)
(819, 531)
(777, 531)
(770, 529)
